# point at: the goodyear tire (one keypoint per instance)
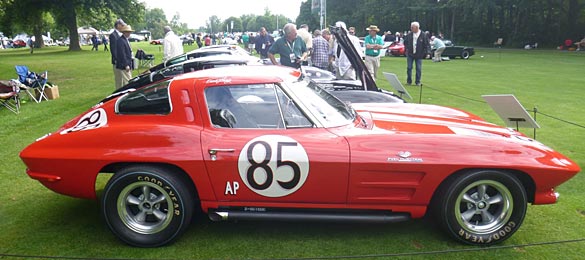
(147, 206)
(481, 207)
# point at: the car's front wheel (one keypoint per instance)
(481, 207)
(147, 206)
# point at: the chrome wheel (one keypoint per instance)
(144, 207)
(484, 206)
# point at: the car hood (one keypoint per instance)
(428, 119)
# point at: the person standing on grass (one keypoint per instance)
(342, 65)
(291, 47)
(124, 59)
(416, 48)
(263, 42)
(374, 43)
(105, 42)
(31, 45)
(114, 36)
(172, 45)
(94, 42)
(439, 47)
(320, 55)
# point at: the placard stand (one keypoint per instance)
(511, 111)
(395, 83)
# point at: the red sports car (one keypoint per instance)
(261, 142)
(395, 49)
(157, 41)
(18, 43)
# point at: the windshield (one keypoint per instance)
(326, 108)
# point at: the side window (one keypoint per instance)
(292, 115)
(225, 111)
(253, 106)
(153, 99)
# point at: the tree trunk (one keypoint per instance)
(71, 24)
(39, 43)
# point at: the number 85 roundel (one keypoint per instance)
(273, 165)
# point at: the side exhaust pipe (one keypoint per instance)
(364, 217)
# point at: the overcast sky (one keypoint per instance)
(195, 13)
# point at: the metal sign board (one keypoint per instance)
(511, 111)
(395, 83)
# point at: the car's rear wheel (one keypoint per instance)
(147, 206)
(482, 207)
(465, 55)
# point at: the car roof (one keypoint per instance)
(259, 74)
(217, 59)
(217, 48)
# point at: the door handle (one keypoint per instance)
(213, 152)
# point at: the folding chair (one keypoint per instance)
(32, 82)
(9, 95)
(498, 43)
(144, 59)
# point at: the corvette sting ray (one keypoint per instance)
(262, 142)
(265, 143)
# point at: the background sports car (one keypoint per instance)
(261, 142)
(206, 62)
(452, 51)
(395, 49)
(204, 52)
(157, 41)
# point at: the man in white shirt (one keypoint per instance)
(343, 67)
(172, 45)
(304, 33)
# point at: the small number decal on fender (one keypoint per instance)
(91, 120)
(273, 165)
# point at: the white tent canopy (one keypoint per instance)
(87, 30)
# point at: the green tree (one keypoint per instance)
(238, 27)
(307, 17)
(154, 21)
(214, 24)
(28, 14)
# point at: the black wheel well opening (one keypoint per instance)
(115, 167)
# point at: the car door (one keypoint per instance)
(262, 158)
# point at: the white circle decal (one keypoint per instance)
(273, 165)
(92, 120)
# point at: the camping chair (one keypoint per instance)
(144, 59)
(9, 95)
(499, 43)
(32, 82)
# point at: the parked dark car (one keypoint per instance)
(452, 51)
(233, 50)
(202, 63)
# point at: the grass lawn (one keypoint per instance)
(35, 221)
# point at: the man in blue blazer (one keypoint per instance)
(114, 36)
(124, 59)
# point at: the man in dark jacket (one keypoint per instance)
(417, 48)
(114, 36)
(263, 42)
(124, 59)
